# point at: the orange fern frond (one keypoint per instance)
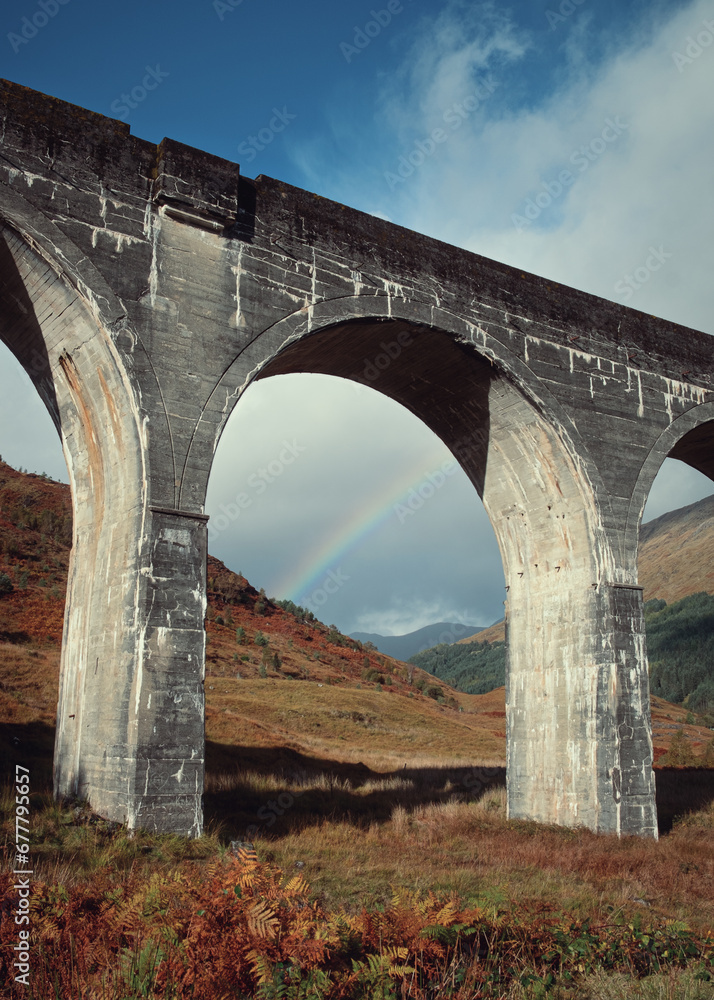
(262, 921)
(297, 886)
(447, 914)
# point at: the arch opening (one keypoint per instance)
(317, 477)
(676, 560)
(562, 711)
(519, 463)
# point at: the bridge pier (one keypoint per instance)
(130, 719)
(579, 745)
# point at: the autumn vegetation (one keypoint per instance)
(356, 841)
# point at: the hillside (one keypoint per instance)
(323, 697)
(677, 552)
(474, 667)
(680, 648)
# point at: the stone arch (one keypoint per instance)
(349, 312)
(689, 438)
(517, 450)
(473, 402)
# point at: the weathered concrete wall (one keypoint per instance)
(185, 283)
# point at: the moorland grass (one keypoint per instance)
(357, 835)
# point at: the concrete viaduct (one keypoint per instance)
(144, 287)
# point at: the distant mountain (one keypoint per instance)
(401, 647)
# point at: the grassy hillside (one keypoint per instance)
(676, 556)
(322, 695)
(273, 676)
(373, 795)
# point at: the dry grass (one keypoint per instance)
(674, 985)
(357, 835)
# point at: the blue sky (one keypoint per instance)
(607, 106)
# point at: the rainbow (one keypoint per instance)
(310, 571)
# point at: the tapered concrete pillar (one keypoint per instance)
(578, 722)
(130, 717)
(130, 720)
(165, 730)
(579, 746)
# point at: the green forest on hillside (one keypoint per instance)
(471, 667)
(680, 648)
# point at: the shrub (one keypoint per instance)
(335, 636)
(302, 614)
(260, 639)
(6, 586)
(680, 752)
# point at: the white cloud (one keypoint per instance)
(401, 618)
(648, 185)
